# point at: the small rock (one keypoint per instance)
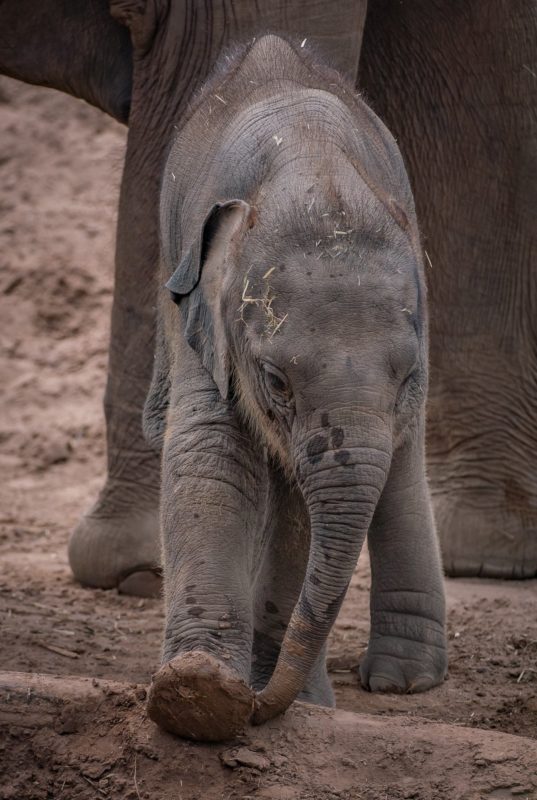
(248, 758)
(244, 757)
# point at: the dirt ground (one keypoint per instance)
(60, 167)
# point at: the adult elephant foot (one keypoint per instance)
(118, 549)
(492, 537)
(197, 697)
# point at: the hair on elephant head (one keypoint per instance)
(288, 225)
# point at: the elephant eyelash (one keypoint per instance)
(276, 383)
(276, 386)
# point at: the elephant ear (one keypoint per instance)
(197, 286)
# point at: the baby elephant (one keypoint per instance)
(288, 399)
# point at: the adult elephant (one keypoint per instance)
(458, 87)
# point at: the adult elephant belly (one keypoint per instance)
(463, 107)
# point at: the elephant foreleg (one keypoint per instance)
(212, 500)
(407, 647)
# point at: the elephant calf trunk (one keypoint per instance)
(291, 671)
(341, 500)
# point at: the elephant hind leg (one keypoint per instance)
(454, 83)
(118, 550)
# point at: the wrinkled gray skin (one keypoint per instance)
(289, 393)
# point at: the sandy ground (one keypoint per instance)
(60, 166)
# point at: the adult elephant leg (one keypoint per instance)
(457, 85)
(407, 646)
(88, 54)
(278, 586)
(117, 542)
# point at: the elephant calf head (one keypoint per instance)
(289, 231)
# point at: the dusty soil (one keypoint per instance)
(60, 167)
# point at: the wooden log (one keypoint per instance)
(95, 737)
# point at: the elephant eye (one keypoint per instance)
(277, 384)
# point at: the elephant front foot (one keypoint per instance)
(397, 662)
(122, 551)
(197, 697)
(494, 539)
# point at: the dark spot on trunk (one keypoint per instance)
(196, 611)
(196, 515)
(338, 436)
(271, 607)
(325, 421)
(335, 605)
(190, 587)
(190, 601)
(314, 579)
(306, 610)
(342, 457)
(316, 448)
(331, 608)
(348, 362)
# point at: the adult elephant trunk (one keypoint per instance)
(341, 471)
